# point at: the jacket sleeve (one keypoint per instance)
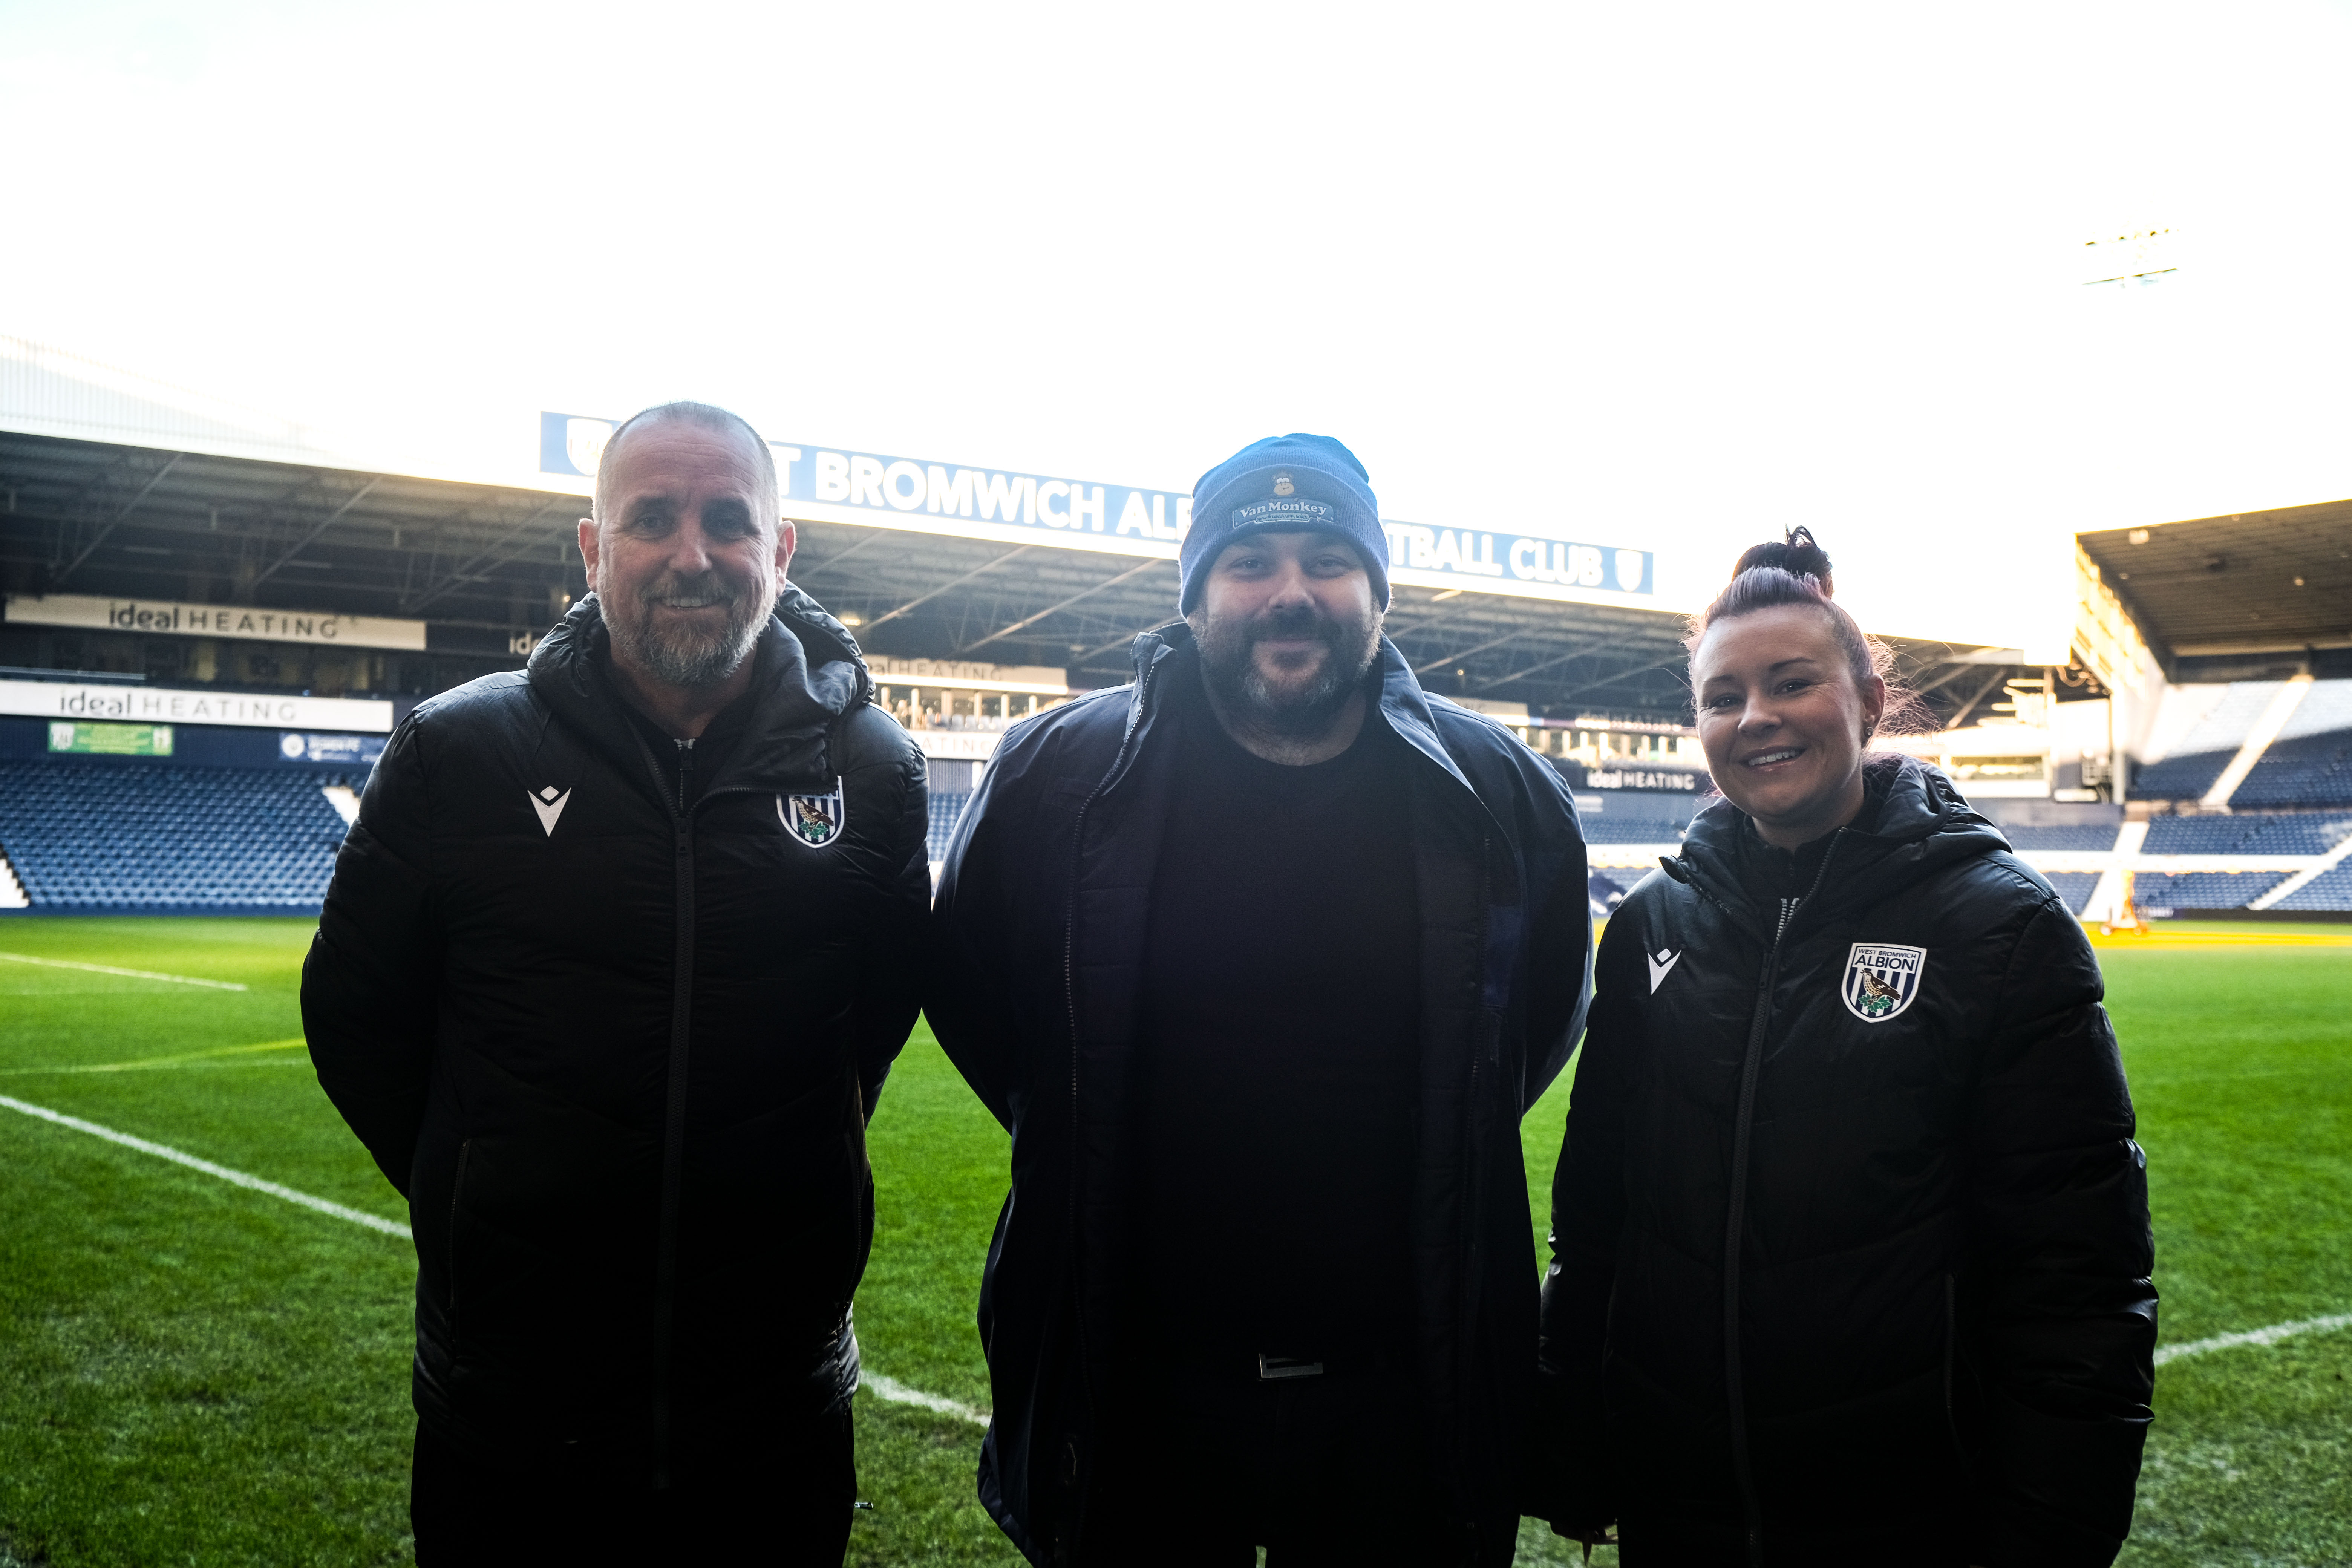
(369, 985)
(1568, 1481)
(1560, 946)
(2057, 1310)
(889, 993)
(971, 960)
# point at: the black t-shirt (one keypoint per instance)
(1279, 1072)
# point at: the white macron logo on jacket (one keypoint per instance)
(549, 802)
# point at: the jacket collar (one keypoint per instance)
(1921, 826)
(808, 672)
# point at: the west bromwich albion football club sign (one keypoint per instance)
(879, 490)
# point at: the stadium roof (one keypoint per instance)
(115, 484)
(2209, 593)
(483, 564)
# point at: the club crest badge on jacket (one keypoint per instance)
(1881, 981)
(815, 819)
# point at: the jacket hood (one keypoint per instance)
(1921, 826)
(808, 672)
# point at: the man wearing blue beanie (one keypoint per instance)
(1260, 959)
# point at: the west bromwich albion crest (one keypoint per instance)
(1881, 981)
(815, 819)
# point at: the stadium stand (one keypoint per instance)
(2203, 890)
(2310, 763)
(945, 809)
(176, 840)
(2249, 833)
(2095, 836)
(1630, 830)
(2329, 891)
(1637, 816)
(2075, 886)
(2197, 761)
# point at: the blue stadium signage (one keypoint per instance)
(875, 489)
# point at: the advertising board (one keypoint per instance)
(104, 740)
(96, 613)
(169, 705)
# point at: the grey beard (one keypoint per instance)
(1232, 675)
(678, 657)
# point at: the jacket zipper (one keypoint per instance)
(674, 1105)
(1070, 1004)
(1735, 1222)
(674, 1108)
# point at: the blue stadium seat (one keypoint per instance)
(945, 810)
(2248, 833)
(2310, 763)
(2079, 836)
(1629, 830)
(2200, 755)
(2075, 886)
(84, 837)
(2203, 890)
(2329, 890)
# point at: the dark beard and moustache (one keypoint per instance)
(1297, 712)
(680, 655)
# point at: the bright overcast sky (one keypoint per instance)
(1670, 276)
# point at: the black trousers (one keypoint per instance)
(789, 1506)
(1211, 1464)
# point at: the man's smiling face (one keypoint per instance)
(1287, 626)
(687, 555)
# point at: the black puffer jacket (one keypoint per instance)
(1041, 919)
(1852, 1237)
(619, 1056)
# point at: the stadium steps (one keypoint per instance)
(2310, 763)
(2107, 895)
(2193, 763)
(12, 891)
(2328, 863)
(2258, 740)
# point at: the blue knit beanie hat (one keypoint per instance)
(1283, 484)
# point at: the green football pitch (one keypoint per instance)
(195, 1372)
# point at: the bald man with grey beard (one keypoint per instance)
(613, 967)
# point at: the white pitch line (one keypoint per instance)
(2269, 1336)
(881, 1387)
(109, 968)
(898, 1392)
(238, 1178)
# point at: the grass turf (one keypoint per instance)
(194, 1373)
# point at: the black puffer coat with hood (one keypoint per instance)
(1851, 1234)
(619, 1054)
(1041, 921)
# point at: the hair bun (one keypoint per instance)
(1796, 555)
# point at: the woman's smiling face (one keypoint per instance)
(1782, 722)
